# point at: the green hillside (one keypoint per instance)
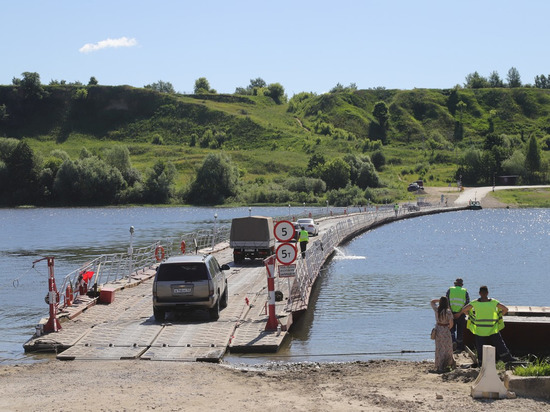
(311, 149)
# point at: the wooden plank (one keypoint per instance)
(529, 310)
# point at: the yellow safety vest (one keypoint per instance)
(457, 298)
(304, 236)
(486, 319)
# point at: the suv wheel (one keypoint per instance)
(223, 303)
(159, 314)
(215, 310)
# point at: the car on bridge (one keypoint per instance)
(310, 225)
(190, 282)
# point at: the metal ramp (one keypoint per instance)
(117, 340)
(83, 352)
(204, 341)
(184, 353)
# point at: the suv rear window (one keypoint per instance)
(182, 272)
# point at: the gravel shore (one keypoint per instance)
(175, 386)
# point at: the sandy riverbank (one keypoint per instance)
(433, 195)
(175, 386)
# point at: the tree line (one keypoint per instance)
(108, 178)
(91, 179)
(513, 79)
(502, 155)
(258, 86)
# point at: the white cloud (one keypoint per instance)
(109, 43)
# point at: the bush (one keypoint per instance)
(378, 160)
(306, 184)
(381, 195)
(216, 180)
(87, 181)
(159, 181)
(157, 139)
(350, 195)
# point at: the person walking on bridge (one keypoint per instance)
(458, 297)
(485, 322)
(303, 239)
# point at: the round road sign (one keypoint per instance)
(284, 231)
(286, 253)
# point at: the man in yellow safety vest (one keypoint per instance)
(485, 322)
(458, 297)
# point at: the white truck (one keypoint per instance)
(252, 237)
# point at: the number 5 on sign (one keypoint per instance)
(286, 254)
(284, 231)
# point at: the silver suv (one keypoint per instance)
(189, 282)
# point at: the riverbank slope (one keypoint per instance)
(142, 385)
(484, 194)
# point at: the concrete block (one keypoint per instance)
(488, 384)
(528, 386)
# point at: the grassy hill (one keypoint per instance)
(426, 134)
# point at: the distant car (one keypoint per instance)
(297, 229)
(413, 187)
(190, 282)
(310, 225)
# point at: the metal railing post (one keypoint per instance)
(130, 253)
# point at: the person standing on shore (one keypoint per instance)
(486, 322)
(458, 297)
(443, 342)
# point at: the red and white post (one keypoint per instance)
(53, 324)
(270, 266)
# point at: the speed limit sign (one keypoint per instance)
(284, 231)
(286, 253)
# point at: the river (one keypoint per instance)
(371, 301)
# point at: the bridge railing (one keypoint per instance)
(109, 268)
(203, 239)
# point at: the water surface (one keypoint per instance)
(371, 301)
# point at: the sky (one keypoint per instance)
(306, 46)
